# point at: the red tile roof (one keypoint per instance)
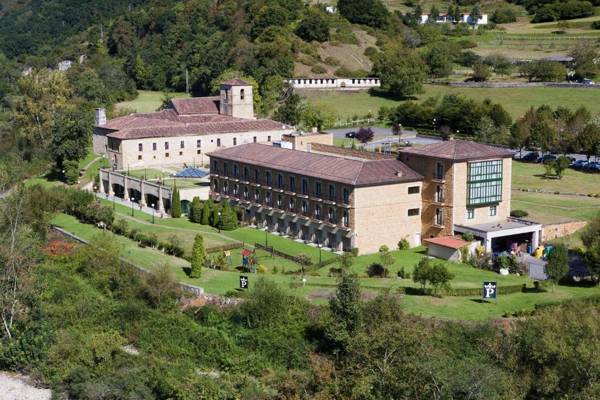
(230, 125)
(459, 150)
(447, 241)
(197, 105)
(337, 169)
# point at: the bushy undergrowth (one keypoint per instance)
(97, 329)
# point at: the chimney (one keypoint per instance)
(100, 116)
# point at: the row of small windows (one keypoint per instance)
(280, 181)
(279, 202)
(493, 211)
(166, 145)
(333, 81)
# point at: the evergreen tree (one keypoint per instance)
(434, 14)
(205, 217)
(417, 13)
(198, 260)
(215, 218)
(195, 214)
(176, 204)
(475, 14)
(345, 312)
(229, 220)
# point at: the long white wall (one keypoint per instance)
(333, 83)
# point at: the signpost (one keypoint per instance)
(243, 282)
(489, 290)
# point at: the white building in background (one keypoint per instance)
(464, 18)
(333, 83)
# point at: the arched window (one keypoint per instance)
(242, 94)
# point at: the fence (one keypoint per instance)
(272, 250)
(225, 247)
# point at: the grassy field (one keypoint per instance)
(515, 100)
(531, 176)
(552, 208)
(549, 208)
(320, 286)
(147, 101)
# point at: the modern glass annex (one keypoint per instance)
(484, 183)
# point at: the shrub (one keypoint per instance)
(503, 15)
(481, 72)
(595, 25)
(402, 274)
(403, 244)
(370, 52)
(481, 260)
(376, 270)
(469, 58)
(466, 44)
(71, 171)
(519, 213)
(120, 227)
(332, 62)
(468, 237)
(318, 69)
(499, 63)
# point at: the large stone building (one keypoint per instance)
(337, 202)
(342, 200)
(185, 132)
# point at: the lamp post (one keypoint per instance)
(152, 213)
(266, 238)
(219, 225)
(132, 199)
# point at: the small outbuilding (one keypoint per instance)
(445, 247)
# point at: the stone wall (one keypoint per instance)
(553, 231)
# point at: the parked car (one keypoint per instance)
(579, 164)
(592, 166)
(547, 158)
(530, 157)
(351, 135)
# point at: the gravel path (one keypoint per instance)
(19, 387)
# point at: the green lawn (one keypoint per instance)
(548, 208)
(515, 100)
(319, 288)
(531, 176)
(147, 101)
(147, 173)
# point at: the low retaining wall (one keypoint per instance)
(553, 231)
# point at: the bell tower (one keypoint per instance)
(236, 99)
